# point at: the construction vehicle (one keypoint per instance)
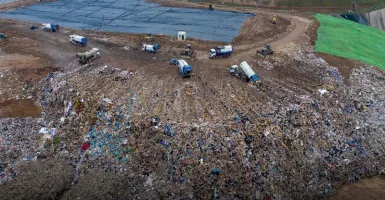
(3, 38)
(188, 52)
(150, 48)
(88, 55)
(274, 20)
(221, 51)
(149, 37)
(50, 27)
(78, 40)
(265, 51)
(211, 7)
(184, 68)
(173, 61)
(244, 72)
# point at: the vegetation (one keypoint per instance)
(326, 3)
(352, 40)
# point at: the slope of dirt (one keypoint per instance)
(372, 188)
(19, 108)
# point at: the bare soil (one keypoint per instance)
(19, 108)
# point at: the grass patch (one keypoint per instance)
(352, 40)
(326, 3)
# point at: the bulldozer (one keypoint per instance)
(149, 37)
(274, 20)
(265, 51)
(188, 52)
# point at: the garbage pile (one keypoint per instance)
(301, 144)
(20, 143)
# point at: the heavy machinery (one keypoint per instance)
(50, 27)
(149, 38)
(188, 51)
(274, 20)
(150, 48)
(78, 40)
(221, 51)
(265, 51)
(211, 7)
(3, 38)
(244, 72)
(88, 55)
(184, 68)
(173, 61)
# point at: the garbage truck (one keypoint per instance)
(184, 68)
(244, 72)
(78, 40)
(224, 51)
(149, 48)
(50, 27)
(88, 55)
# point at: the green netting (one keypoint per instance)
(352, 40)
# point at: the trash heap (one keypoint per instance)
(20, 143)
(301, 144)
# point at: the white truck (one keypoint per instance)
(220, 51)
(184, 68)
(150, 48)
(78, 40)
(245, 72)
(88, 55)
(50, 27)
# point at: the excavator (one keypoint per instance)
(211, 7)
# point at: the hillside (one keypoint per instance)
(352, 40)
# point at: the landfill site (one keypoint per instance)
(165, 99)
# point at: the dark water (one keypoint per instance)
(129, 16)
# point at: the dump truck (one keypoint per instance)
(221, 51)
(50, 27)
(265, 51)
(244, 72)
(78, 40)
(149, 48)
(88, 55)
(184, 68)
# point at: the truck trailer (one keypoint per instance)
(50, 27)
(78, 40)
(220, 51)
(88, 55)
(149, 48)
(184, 68)
(244, 72)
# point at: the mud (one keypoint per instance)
(19, 108)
